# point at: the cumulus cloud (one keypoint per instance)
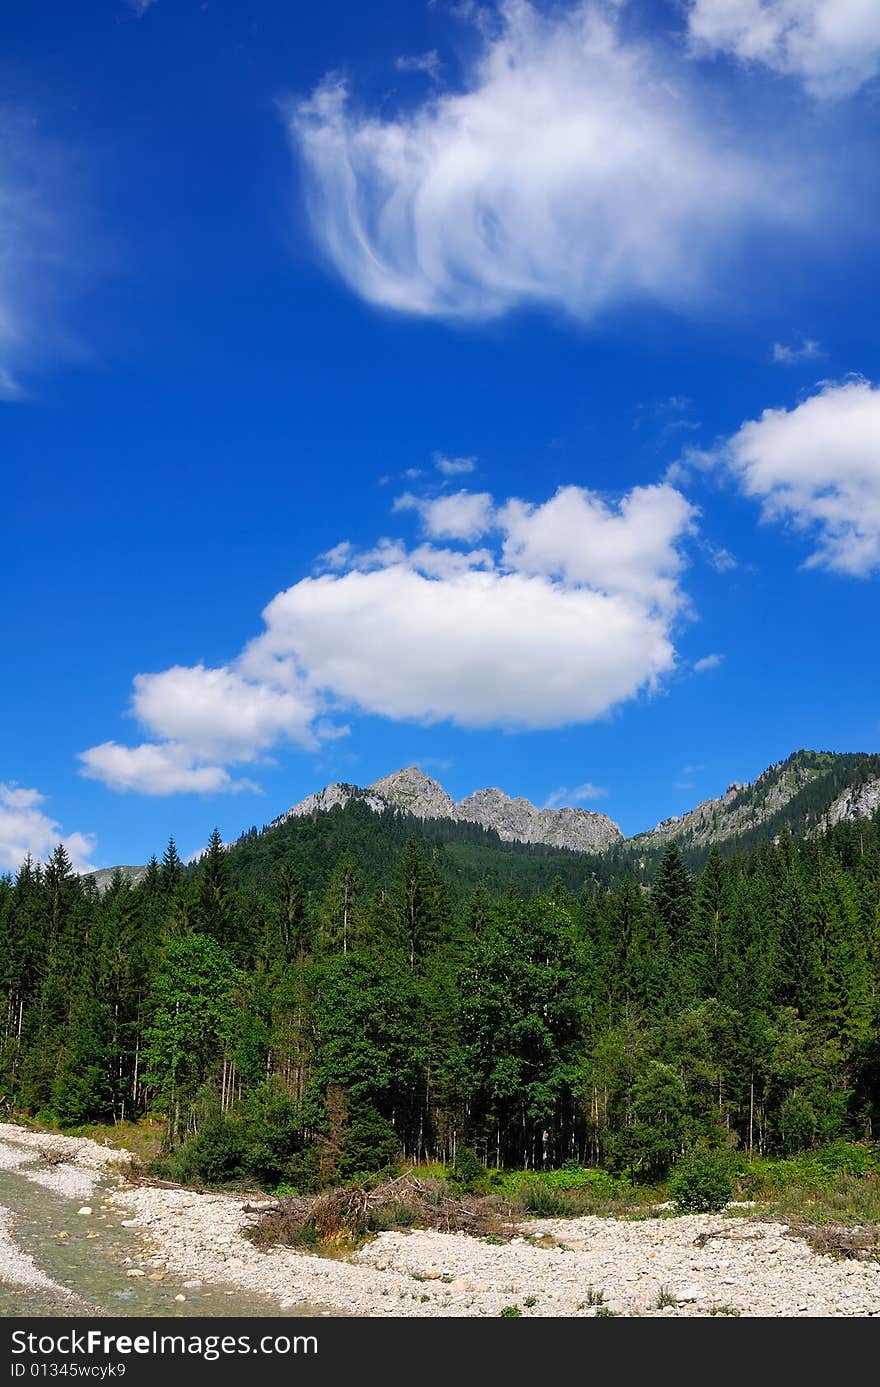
(581, 794)
(463, 515)
(706, 663)
(573, 170)
(633, 550)
(156, 769)
(571, 615)
(219, 713)
(27, 830)
(808, 350)
(817, 466)
(566, 611)
(833, 46)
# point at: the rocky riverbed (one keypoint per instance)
(669, 1266)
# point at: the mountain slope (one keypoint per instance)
(802, 794)
(806, 793)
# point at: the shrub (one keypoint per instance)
(701, 1182)
(212, 1157)
(369, 1144)
(467, 1172)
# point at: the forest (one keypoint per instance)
(330, 997)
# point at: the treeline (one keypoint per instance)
(290, 1034)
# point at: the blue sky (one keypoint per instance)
(522, 357)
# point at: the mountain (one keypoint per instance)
(104, 875)
(413, 793)
(805, 793)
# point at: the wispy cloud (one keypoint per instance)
(427, 63)
(46, 247)
(581, 794)
(454, 467)
(527, 183)
(808, 350)
(706, 663)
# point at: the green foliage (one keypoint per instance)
(701, 1183)
(370, 1144)
(467, 1172)
(510, 1312)
(337, 993)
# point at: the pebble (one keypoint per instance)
(86, 1209)
(702, 1260)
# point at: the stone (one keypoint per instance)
(134, 1271)
(180, 1299)
(86, 1209)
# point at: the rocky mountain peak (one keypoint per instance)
(415, 793)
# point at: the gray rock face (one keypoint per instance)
(104, 875)
(322, 801)
(410, 791)
(415, 793)
(743, 808)
(858, 803)
(518, 820)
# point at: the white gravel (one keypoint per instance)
(66, 1179)
(83, 1152)
(743, 1266)
(705, 1263)
(16, 1267)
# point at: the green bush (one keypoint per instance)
(370, 1144)
(467, 1173)
(212, 1157)
(701, 1182)
(812, 1171)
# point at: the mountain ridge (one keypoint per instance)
(410, 791)
(806, 792)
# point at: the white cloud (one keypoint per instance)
(575, 169)
(479, 648)
(808, 350)
(569, 613)
(26, 830)
(218, 713)
(204, 718)
(156, 769)
(833, 46)
(579, 795)
(571, 617)
(817, 466)
(463, 515)
(719, 558)
(40, 263)
(706, 663)
(427, 63)
(454, 467)
(633, 550)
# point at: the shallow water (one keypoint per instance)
(94, 1268)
